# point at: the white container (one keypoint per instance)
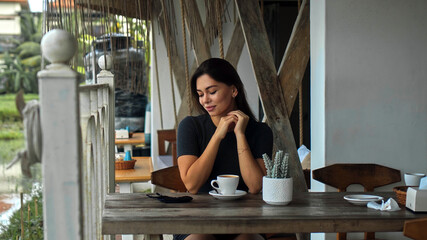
(277, 191)
(413, 179)
(416, 199)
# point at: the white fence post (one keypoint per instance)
(59, 113)
(105, 76)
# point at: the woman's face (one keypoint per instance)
(217, 98)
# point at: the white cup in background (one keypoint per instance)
(227, 184)
(413, 179)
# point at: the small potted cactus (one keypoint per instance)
(277, 186)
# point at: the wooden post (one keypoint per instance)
(59, 115)
(36, 207)
(22, 215)
(28, 215)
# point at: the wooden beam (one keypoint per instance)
(235, 48)
(269, 88)
(177, 64)
(295, 59)
(128, 8)
(201, 48)
(197, 32)
(234, 52)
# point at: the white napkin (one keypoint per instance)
(302, 152)
(423, 183)
(391, 205)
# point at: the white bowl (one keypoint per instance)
(413, 179)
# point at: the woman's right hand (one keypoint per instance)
(226, 124)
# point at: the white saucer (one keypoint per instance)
(236, 195)
(362, 199)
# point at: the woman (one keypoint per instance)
(226, 139)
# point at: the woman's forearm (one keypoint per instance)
(251, 170)
(196, 173)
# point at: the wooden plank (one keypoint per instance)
(295, 59)
(269, 88)
(236, 45)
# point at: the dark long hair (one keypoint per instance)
(221, 71)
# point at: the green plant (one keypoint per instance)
(279, 167)
(32, 219)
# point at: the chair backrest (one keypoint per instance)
(416, 229)
(370, 176)
(167, 135)
(168, 178)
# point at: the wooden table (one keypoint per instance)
(125, 178)
(136, 139)
(141, 173)
(308, 212)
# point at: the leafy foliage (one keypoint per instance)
(279, 167)
(20, 65)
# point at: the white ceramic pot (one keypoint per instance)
(277, 191)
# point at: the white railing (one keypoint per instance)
(78, 143)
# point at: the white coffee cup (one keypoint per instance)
(413, 179)
(227, 184)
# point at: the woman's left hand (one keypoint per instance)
(242, 121)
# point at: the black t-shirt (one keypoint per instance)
(194, 134)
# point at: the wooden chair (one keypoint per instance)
(168, 178)
(167, 135)
(369, 176)
(416, 229)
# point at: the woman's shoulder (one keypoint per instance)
(257, 124)
(259, 127)
(194, 121)
(186, 122)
